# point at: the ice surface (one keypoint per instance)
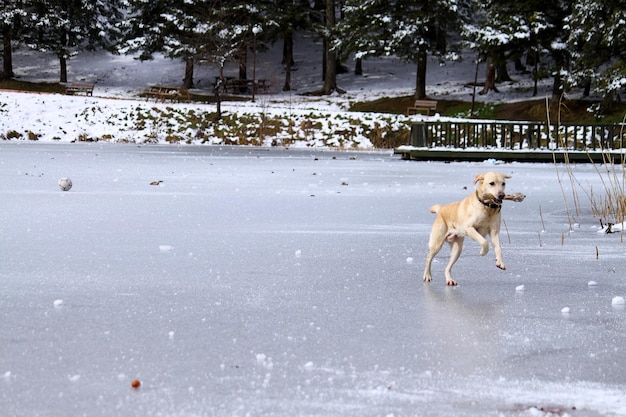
(228, 322)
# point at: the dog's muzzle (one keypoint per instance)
(490, 200)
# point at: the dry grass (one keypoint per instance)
(609, 205)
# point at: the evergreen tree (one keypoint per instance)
(597, 38)
(11, 15)
(67, 27)
(508, 28)
(199, 30)
(409, 29)
(285, 18)
(503, 32)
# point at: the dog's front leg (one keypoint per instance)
(495, 241)
(484, 245)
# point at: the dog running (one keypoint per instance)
(476, 216)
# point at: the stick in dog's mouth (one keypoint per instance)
(492, 199)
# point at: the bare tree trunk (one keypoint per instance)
(330, 73)
(218, 97)
(243, 67)
(587, 89)
(243, 63)
(288, 58)
(63, 65)
(420, 77)
(358, 67)
(189, 67)
(490, 78)
(63, 57)
(7, 53)
(502, 72)
(535, 72)
(557, 87)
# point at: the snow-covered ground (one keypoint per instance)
(116, 113)
(273, 282)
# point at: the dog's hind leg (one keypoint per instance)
(435, 242)
(456, 247)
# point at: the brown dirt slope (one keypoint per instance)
(571, 111)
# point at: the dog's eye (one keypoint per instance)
(492, 183)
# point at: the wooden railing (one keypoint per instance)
(517, 135)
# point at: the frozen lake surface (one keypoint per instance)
(273, 282)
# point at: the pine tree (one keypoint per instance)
(67, 27)
(11, 15)
(597, 38)
(410, 29)
(507, 28)
(285, 17)
(199, 30)
(503, 32)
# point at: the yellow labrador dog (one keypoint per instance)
(476, 216)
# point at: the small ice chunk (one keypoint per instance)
(7, 375)
(409, 260)
(171, 335)
(617, 301)
(565, 310)
(592, 283)
(264, 361)
(58, 303)
(298, 253)
(520, 288)
(74, 378)
(308, 366)
(165, 248)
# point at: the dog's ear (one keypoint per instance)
(479, 178)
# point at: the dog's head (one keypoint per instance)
(491, 186)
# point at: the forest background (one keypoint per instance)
(579, 43)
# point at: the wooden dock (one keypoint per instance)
(479, 140)
(430, 154)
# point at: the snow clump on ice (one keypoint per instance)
(617, 301)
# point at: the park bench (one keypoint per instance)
(164, 92)
(236, 85)
(79, 88)
(427, 107)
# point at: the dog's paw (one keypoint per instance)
(484, 249)
(500, 265)
(450, 282)
(427, 278)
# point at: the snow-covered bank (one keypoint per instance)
(117, 114)
(55, 117)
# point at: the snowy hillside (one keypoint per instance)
(116, 113)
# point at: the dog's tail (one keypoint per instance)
(435, 209)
